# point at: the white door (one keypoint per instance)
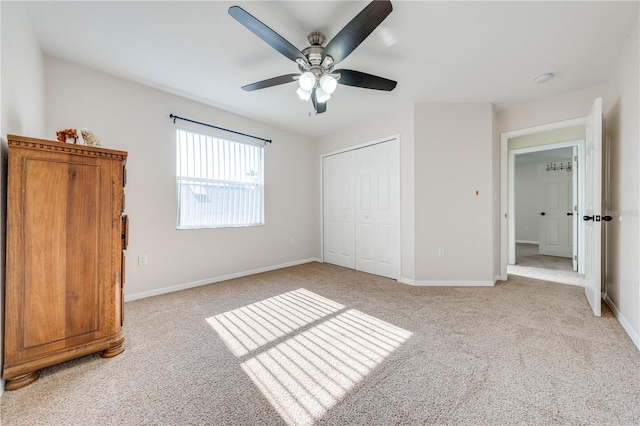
(593, 206)
(338, 210)
(555, 200)
(376, 209)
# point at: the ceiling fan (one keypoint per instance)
(317, 78)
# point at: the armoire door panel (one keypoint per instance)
(72, 276)
(43, 254)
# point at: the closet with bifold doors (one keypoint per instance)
(361, 208)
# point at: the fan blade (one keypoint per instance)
(269, 36)
(367, 81)
(357, 30)
(318, 106)
(283, 79)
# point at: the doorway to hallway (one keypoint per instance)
(589, 208)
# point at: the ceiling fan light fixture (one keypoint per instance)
(322, 96)
(316, 62)
(304, 95)
(307, 80)
(328, 83)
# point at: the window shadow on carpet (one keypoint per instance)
(305, 352)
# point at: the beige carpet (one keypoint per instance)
(319, 344)
(531, 264)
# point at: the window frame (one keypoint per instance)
(261, 181)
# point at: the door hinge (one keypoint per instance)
(575, 158)
(575, 257)
(575, 208)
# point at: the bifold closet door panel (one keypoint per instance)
(366, 201)
(377, 209)
(338, 210)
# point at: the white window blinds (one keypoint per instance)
(219, 182)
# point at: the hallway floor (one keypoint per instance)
(548, 268)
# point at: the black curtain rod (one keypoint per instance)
(175, 117)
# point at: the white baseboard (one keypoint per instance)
(623, 321)
(184, 286)
(527, 242)
(446, 283)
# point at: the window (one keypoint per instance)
(219, 182)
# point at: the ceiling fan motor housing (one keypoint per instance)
(316, 38)
(316, 62)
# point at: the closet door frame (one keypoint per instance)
(398, 198)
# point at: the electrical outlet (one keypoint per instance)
(142, 260)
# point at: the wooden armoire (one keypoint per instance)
(65, 263)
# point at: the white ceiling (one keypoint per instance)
(437, 51)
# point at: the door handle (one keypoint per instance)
(587, 218)
(542, 214)
(595, 218)
(607, 218)
(569, 214)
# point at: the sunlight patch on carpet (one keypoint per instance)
(305, 352)
(248, 328)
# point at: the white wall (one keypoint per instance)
(135, 118)
(564, 134)
(398, 122)
(550, 110)
(526, 202)
(435, 148)
(21, 105)
(621, 195)
(22, 74)
(455, 193)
